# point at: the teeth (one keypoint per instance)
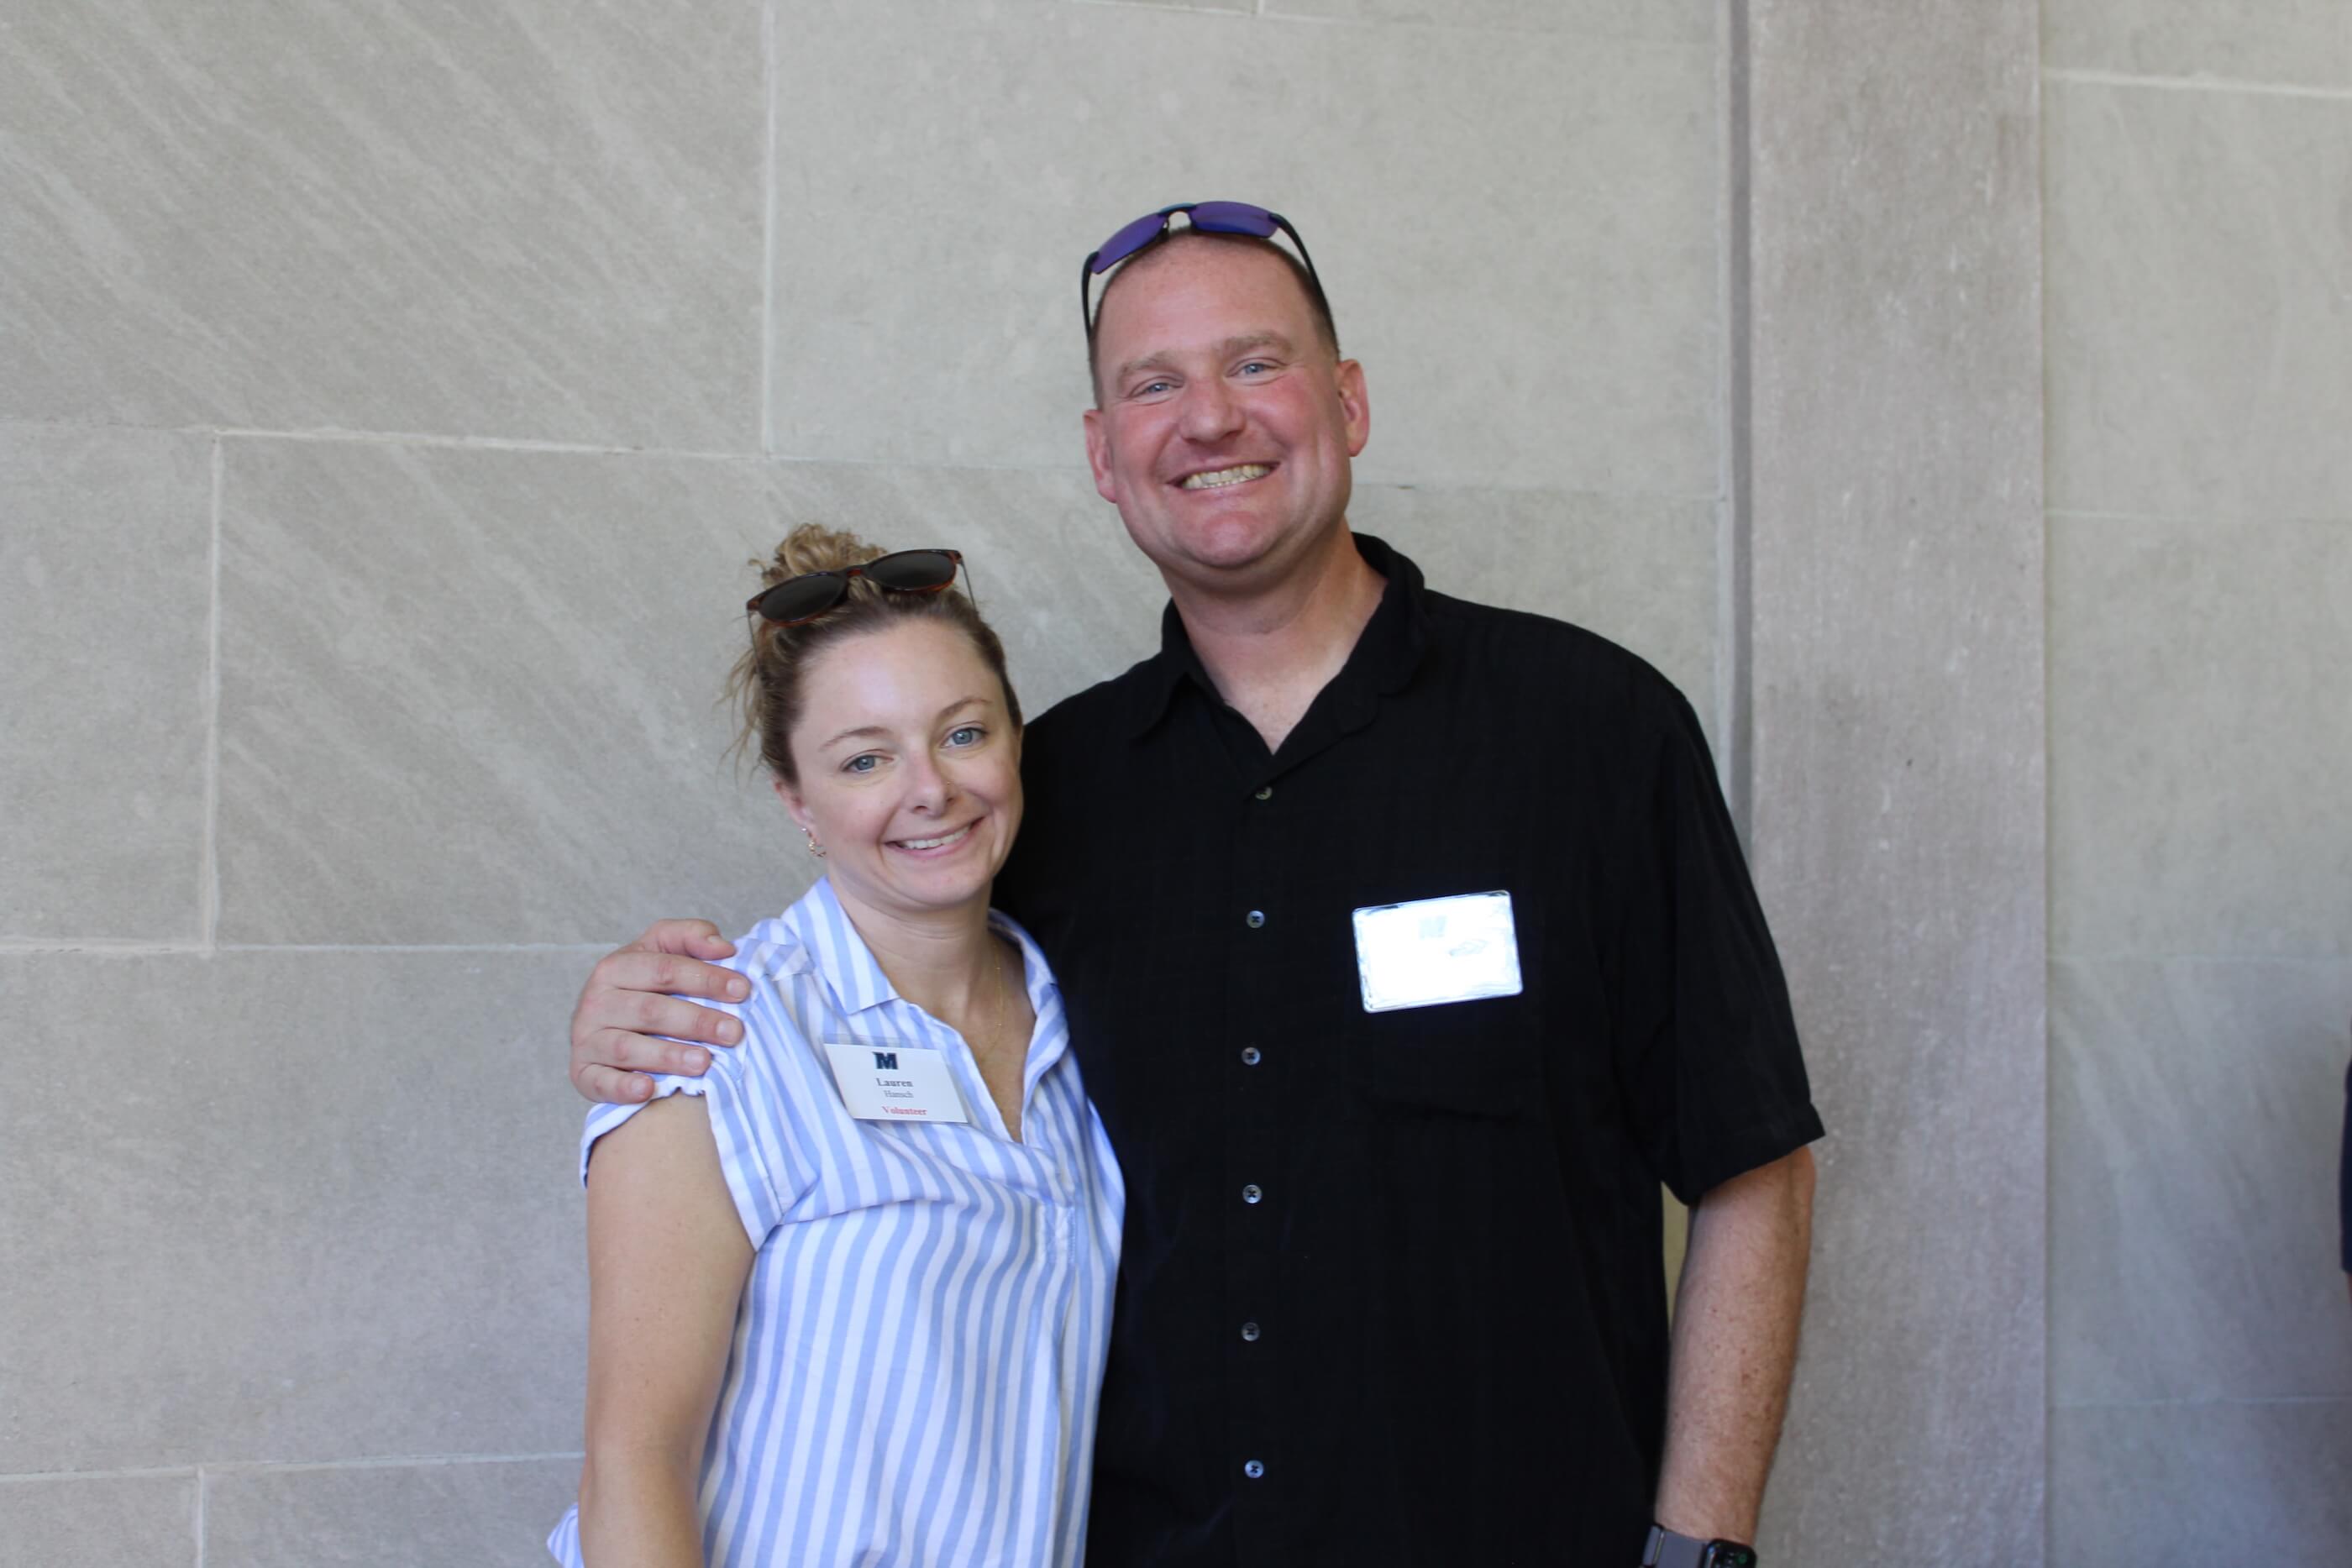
(1223, 477)
(934, 843)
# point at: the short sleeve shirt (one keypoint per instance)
(918, 1349)
(1392, 1289)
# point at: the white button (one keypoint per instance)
(1253, 1469)
(1251, 1194)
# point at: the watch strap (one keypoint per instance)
(1667, 1550)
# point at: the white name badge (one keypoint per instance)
(894, 1083)
(1436, 950)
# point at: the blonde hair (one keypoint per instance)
(765, 685)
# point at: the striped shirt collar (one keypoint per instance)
(818, 924)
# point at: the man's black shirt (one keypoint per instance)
(1392, 1289)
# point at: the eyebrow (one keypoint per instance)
(876, 731)
(1225, 350)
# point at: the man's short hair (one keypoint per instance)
(1318, 305)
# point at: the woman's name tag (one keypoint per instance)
(894, 1083)
(1436, 950)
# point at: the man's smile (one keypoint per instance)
(1219, 478)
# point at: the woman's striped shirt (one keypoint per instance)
(921, 1342)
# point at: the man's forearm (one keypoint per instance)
(1734, 1346)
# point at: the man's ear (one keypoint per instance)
(1099, 455)
(1355, 403)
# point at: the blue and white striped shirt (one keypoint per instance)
(921, 1340)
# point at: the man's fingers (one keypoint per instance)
(642, 1013)
(626, 1056)
(609, 1086)
(665, 974)
(695, 938)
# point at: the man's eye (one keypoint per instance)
(1253, 367)
(1151, 389)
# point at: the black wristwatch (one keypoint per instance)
(1667, 1550)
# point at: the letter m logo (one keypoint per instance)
(887, 1059)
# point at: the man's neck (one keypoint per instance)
(1270, 652)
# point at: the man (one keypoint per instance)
(1407, 947)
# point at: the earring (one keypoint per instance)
(815, 848)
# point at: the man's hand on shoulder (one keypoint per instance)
(632, 998)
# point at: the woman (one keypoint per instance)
(849, 1294)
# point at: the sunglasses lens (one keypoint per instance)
(1129, 240)
(798, 598)
(1234, 218)
(913, 570)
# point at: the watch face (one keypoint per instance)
(1725, 1554)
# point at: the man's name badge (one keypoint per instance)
(1436, 950)
(894, 1083)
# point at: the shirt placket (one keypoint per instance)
(1262, 938)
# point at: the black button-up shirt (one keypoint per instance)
(1392, 1289)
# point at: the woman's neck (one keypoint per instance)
(945, 961)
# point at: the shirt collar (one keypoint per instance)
(855, 976)
(851, 972)
(1386, 654)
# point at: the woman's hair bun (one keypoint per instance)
(813, 546)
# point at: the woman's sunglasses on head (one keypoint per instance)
(801, 599)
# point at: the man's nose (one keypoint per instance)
(1211, 411)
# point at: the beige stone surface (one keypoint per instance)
(98, 1522)
(2196, 1111)
(494, 1514)
(1896, 630)
(2201, 1483)
(2201, 728)
(105, 597)
(2200, 267)
(472, 696)
(538, 219)
(2303, 43)
(1672, 21)
(289, 1207)
(1550, 319)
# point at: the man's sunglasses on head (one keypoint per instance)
(799, 599)
(1209, 218)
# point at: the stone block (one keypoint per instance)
(105, 605)
(2200, 732)
(1552, 320)
(2196, 1111)
(2303, 43)
(531, 220)
(289, 1207)
(2199, 1483)
(492, 1513)
(98, 1522)
(2200, 278)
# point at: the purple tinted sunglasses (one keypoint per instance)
(1209, 218)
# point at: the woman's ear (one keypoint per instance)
(793, 804)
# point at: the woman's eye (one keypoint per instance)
(968, 735)
(864, 762)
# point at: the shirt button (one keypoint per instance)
(1254, 1470)
(1249, 1056)
(1251, 1193)
(1265, 792)
(1256, 918)
(1249, 1332)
